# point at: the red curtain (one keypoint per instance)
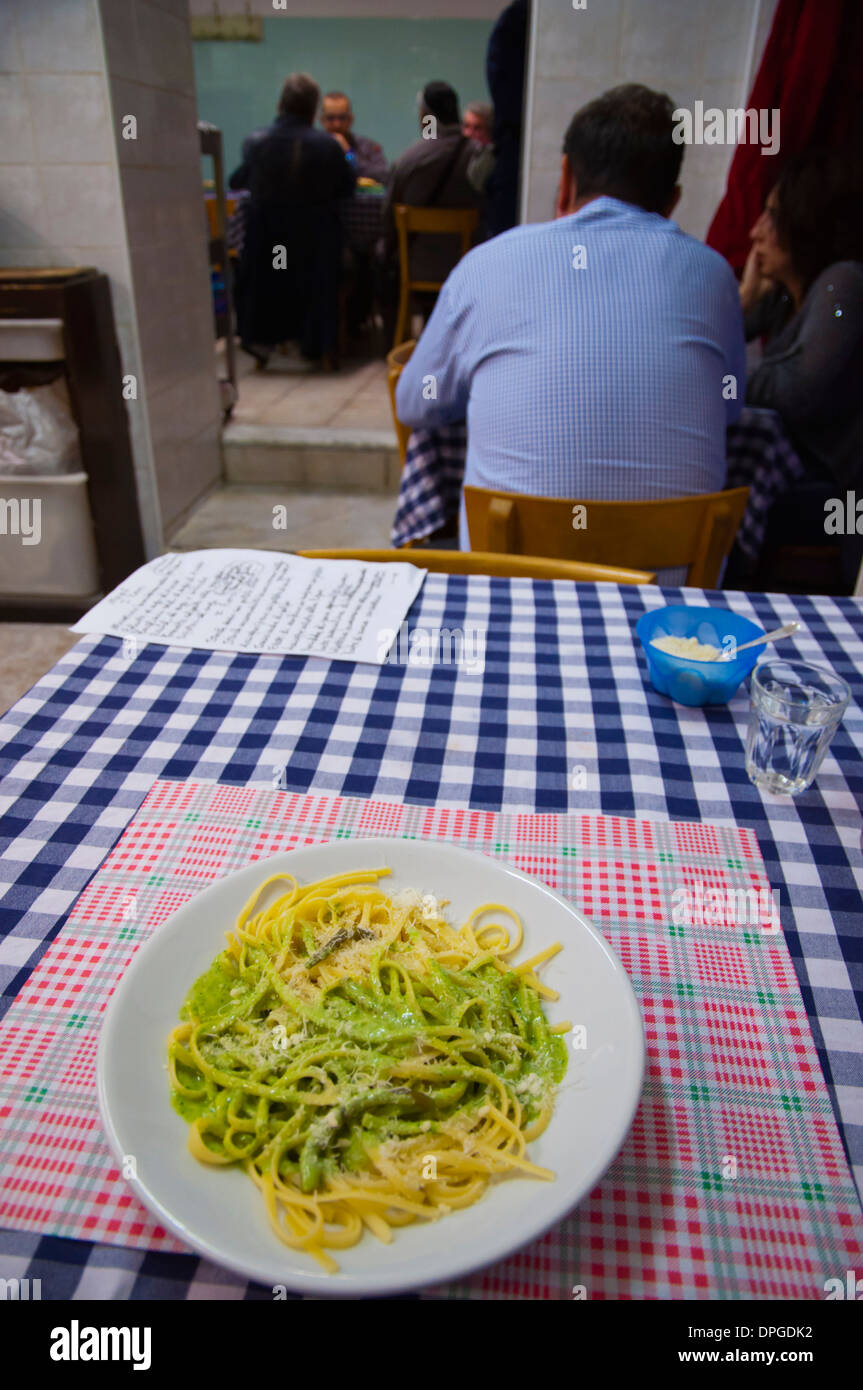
(811, 73)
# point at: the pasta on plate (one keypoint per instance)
(367, 1063)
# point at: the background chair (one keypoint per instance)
(396, 359)
(694, 531)
(451, 221)
(791, 561)
(508, 566)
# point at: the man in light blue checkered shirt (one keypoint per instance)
(600, 355)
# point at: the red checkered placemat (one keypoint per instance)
(732, 1181)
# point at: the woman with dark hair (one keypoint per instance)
(802, 287)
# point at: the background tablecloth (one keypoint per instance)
(758, 452)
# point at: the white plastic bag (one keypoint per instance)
(37, 432)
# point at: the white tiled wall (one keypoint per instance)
(72, 192)
(60, 192)
(691, 49)
(150, 76)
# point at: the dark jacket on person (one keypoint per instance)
(811, 373)
(240, 177)
(371, 162)
(504, 75)
(296, 177)
(431, 173)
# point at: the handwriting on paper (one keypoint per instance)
(260, 601)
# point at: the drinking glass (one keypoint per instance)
(795, 710)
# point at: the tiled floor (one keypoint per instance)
(29, 650)
(286, 393)
(244, 516)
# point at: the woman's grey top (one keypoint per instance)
(812, 371)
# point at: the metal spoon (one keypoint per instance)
(773, 636)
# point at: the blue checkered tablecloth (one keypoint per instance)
(361, 219)
(758, 454)
(564, 687)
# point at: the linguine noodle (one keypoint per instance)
(367, 1063)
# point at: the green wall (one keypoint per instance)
(380, 63)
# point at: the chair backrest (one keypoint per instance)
(508, 566)
(451, 221)
(396, 359)
(694, 531)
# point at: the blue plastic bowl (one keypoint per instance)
(697, 682)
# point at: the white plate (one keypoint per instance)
(219, 1213)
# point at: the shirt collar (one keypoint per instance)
(606, 206)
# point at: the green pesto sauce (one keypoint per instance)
(356, 1015)
(209, 996)
(189, 1109)
(211, 992)
(553, 1060)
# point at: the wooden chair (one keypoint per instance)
(396, 359)
(694, 531)
(473, 562)
(450, 221)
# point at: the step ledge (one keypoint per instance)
(293, 436)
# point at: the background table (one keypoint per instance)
(564, 688)
(758, 454)
(362, 218)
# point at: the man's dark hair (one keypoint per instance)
(441, 101)
(819, 211)
(622, 145)
(300, 97)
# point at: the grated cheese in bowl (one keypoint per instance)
(688, 647)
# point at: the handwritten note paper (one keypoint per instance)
(261, 601)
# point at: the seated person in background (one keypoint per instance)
(478, 122)
(803, 287)
(337, 119)
(288, 278)
(477, 126)
(432, 173)
(590, 355)
(368, 161)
